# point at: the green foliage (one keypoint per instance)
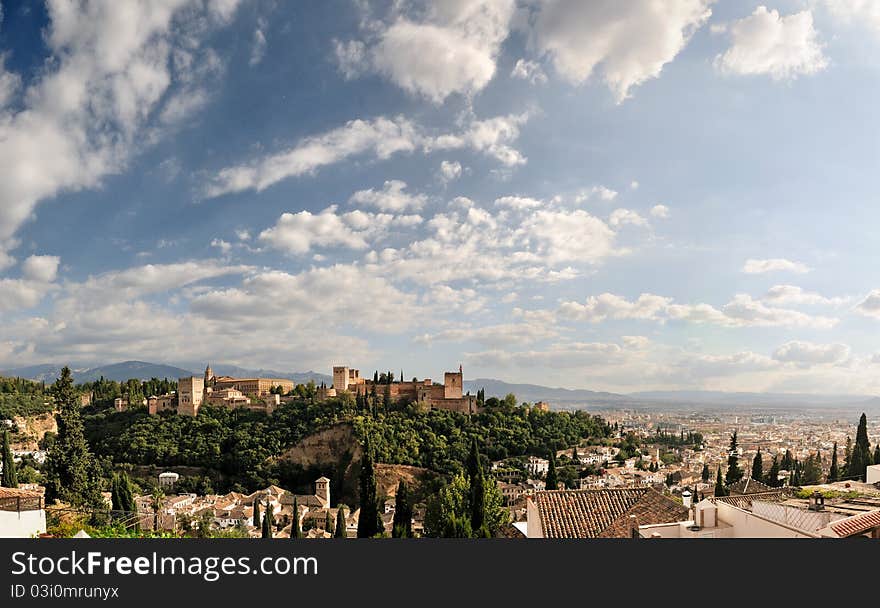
(369, 520)
(720, 490)
(10, 478)
(268, 521)
(72, 473)
(861, 452)
(552, 481)
(834, 472)
(295, 530)
(403, 512)
(758, 467)
(340, 522)
(449, 511)
(773, 476)
(705, 475)
(734, 472)
(257, 521)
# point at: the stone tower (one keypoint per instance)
(209, 374)
(322, 490)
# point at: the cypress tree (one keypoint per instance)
(834, 472)
(720, 490)
(10, 477)
(477, 488)
(734, 473)
(847, 456)
(758, 467)
(402, 527)
(787, 461)
(705, 475)
(369, 520)
(267, 521)
(295, 530)
(552, 482)
(876, 459)
(340, 522)
(861, 453)
(257, 521)
(328, 523)
(773, 475)
(72, 473)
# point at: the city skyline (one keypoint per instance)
(683, 202)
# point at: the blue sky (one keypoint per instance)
(605, 195)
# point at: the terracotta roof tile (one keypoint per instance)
(603, 513)
(857, 524)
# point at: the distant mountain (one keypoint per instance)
(117, 371)
(535, 392)
(142, 370)
(721, 397)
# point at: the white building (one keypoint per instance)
(872, 475)
(537, 466)
(21, 513)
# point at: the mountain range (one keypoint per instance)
(524, 392)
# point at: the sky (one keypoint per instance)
(590, 194)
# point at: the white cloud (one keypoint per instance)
(741, 311)
(450, 170)
(224, 246)
(622, 217)
(41, 268)
(298, 233)
(382, 137)
(560, 236)
(629, 42)
(660, 212)
(605, 194)
(766, 43)
(634, 185)
(258, 47)
(866, 12)
(528, 70)
(492, 336)
(391, 198)
(870, 306)
(756, 266)
(519, 203)
(792, 294)
(110, 69)
(808, 353)
(435, 50)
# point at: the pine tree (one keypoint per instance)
(720, 490)
(734, 473)
(706, 474)
(340, 522)
(369, 520)
(834, 472)
(477, 498)
(551, 481)
(758, 467)
(295, 530)
(72, 474)
(258, 522)
(402, 526)
(861, 452)
(10, 477)
(773, 475)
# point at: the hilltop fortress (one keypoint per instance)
(446, 396)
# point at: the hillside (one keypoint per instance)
(535, 392)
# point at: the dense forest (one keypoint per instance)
(236, 446)
(21, 397)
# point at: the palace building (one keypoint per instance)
(447, 396)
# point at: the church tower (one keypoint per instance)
(209, 375)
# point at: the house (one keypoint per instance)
(605, 513)
(537, 466)
(22, 513)
(747, 485)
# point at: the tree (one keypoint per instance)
(847, 456)
(403, 512)
(10, 478)
(328, 523)
(734, 473)
(268, 521)
(121, 495)
(295, 530)
(720, 490)
(448, 513)
(71, 471)
(772, 479)
(834, 471)
(787, 461)
(705, 475)
(861, 451)
(876, 458)
(257, 521)
(369, 520)
(477, 488)
(340, 522)
(551, 481)
(758, 467)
